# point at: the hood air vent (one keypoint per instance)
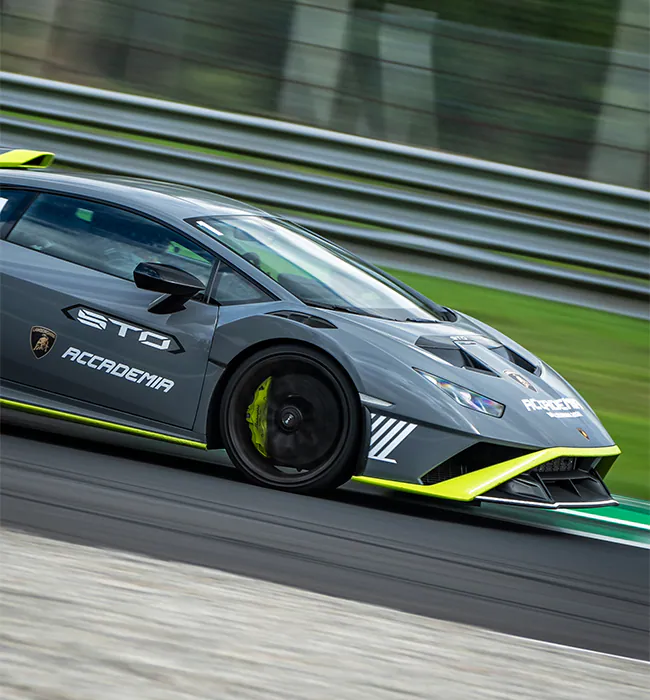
(516, 359)
(455, 354)
(448, 351)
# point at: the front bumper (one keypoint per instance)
(534, 479)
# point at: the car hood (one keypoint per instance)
(542, 408)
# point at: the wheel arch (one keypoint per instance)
(212, 430)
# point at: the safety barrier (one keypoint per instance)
(458, 217)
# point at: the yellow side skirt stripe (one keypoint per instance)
(52, 413)
(469, 486)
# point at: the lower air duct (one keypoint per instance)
(550, 488)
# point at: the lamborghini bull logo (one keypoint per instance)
(42, 341)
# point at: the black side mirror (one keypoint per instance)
(176, 285)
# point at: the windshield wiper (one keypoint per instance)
(340, 307)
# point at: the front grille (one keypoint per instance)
(447, 470)
(559, 464)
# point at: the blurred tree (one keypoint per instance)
(589, 22)
(234, 53)
(520, 81)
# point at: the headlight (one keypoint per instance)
(466, 397)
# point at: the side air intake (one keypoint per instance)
(307, 319)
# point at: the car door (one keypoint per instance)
(75, 325)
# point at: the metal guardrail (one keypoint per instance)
(539, 233)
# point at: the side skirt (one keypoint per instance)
(97, 422)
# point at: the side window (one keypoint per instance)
(105, 238)
(11, 203)
(230, 287)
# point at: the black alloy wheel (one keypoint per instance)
(290, 419)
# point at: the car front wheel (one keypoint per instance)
(290, 419)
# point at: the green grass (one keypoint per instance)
(606, 357)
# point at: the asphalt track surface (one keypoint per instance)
(175, 504)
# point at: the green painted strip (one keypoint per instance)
(52, 413)
(634, 504)
(566, 522)
(622, 515)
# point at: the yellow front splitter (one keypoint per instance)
(468, 486)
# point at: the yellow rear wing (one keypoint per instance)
(23, 158)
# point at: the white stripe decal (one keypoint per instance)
(387, 437)
(386, 434)
(378, 433)
(400, 438)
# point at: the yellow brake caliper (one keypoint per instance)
(256, 416)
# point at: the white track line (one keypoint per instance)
(553, 528)
(567, 647)
(603, 538)
(569, 531)
(604, 518)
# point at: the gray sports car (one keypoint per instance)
(177, 314)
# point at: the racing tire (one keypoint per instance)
(290, 419)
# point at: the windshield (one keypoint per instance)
(317, 272)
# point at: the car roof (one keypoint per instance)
(150, 196)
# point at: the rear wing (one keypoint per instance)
(23, 158)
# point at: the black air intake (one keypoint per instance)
(564, 482)
(450, 352)
(478, 456)
(516, 359)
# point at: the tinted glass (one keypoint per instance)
(105, 238)
(11, 201)
(230, 287)
(318, 273)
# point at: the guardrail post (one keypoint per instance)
(623, 138)
(408, 78)
(314, 58)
